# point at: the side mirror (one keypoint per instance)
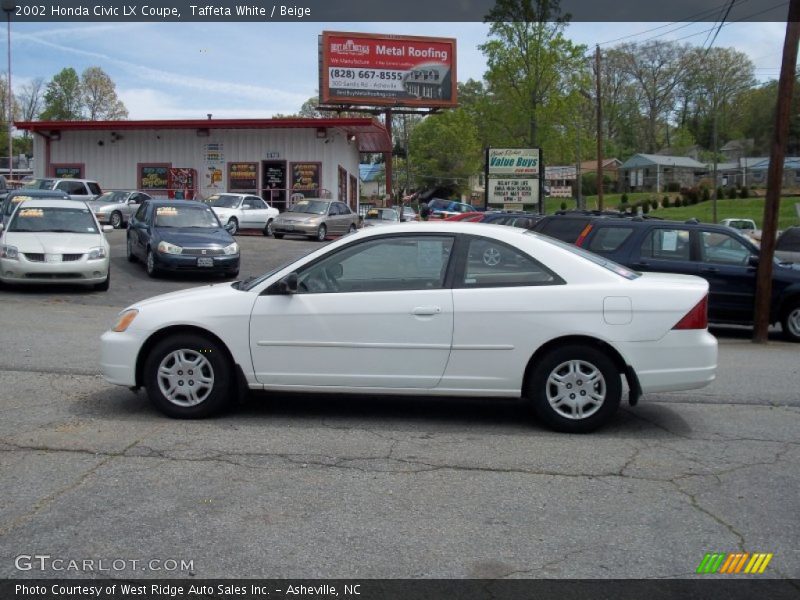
(284, 287)
(108, 228)
(752, 260)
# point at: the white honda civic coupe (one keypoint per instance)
(412, 309)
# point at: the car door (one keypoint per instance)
(138, 233)
(724, 261)
(664, 249)
(255, 212)
(334, 219)
(132, 204)
(373, 314)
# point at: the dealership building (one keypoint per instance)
(274, 158)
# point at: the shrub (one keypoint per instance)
(685, 202)
(563, 206)
(720, 192)
(677, 202)
(745, 192)
(706, 194)
(646, 208)
(624, 199)
(665, 202)
(731, 193)
(673, 186)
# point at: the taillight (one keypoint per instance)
(697, 318)
(582, 236)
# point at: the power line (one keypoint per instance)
(727, 12)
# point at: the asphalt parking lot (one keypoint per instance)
(293, 486)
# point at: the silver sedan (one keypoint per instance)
(116, 208)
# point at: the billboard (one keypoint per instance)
(513, 161)
(391, 70)
(514, 177)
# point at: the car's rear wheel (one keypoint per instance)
(268, 228)
(234, 226)
(790, 322)
(150, 264)
(353, 228)
(131, 255)
(187, 376)
(116, 220)
(574, 389)
(322, 233)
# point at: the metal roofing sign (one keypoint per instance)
(393, 70)
(513, 161)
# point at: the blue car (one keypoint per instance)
(181, 235)
(14, 197)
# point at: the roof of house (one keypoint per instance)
(608, 163)
(790, 162)
(371, 135)
(648, 160)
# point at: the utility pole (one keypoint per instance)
(775, 174)
(387, 159)
(716, 186)
(599, 131)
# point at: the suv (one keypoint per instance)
(77, 189)
(787, 248)
(722, 256)
(567, 225)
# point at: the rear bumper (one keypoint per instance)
(681, 360)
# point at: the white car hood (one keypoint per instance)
(206, 293)
(53, 243)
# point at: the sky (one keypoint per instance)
(255, 70)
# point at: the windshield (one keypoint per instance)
(314, 207)
(186, 216)
(221, 201)
(112, 197)
(53, 219)
(590, 256)
(39, 184)
(382, 215)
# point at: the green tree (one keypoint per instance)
(63, 99)
(444, 150)
(99, 96)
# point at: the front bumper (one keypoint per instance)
(181, 262)
(80, 272)
(295, 228)
(118, 354)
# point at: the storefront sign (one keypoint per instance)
(513, 161)
(369, 69)
(242, 177)
(153, 177)
(517, 191)
(306, 178)
(68, 171)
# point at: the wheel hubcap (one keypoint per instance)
(491, 257)
(576, 389)
(150, 262)
(185, 377)
(793, 322)
(321, 233)
(115, 221)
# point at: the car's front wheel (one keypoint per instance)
(574, 389)
(233, 226)
(150, 264)
(131, 255)
(268, 228)
(116, 220)
(187, 376)
(322, 233)
(352, 228)
(790, 322)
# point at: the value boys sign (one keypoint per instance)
(513, 176)
(393, 70)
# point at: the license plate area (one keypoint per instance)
(205, 262)
(52, 258)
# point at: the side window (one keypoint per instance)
(609, 239)
(140, 214)
(247, 203)
(344, 209)
(94, 188)
(494, 264)
(721, 248)
(257, 203)
(666, 244)
(72, 187)
(382, 265)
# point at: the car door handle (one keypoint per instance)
(426, 310)
(641, 263)
(709, 270)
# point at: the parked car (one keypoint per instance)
(116, 208)
(315, 218)
(744, 226)
(77, 189)
(14, 197)
(181, 235)
(409, 214)
(243, 211)
(524, 220)
(560, 327)
(567, 225)
(719, 254)
(381, 216)
(470, 216)
(439, 208)
(787, 246)
(54, 241)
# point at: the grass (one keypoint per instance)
(745, 208)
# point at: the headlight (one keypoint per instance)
(167, 248)
(95, 253)
(100, 214)
(232, 249)
(9, 252)
(124, 320)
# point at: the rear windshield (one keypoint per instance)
(566, 230)
(590, 256)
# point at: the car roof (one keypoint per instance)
(163, 202)
(34, 192)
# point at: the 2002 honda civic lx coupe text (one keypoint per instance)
(412, 309)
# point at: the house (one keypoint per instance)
(610, 170)
(737, 149)
(655, 172)
(757, 172)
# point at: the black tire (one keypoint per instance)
(352, 228)
(538, 388)
(268, 228)
(150, 264)
(214, 363)
(790, 322)
(277, 236)
(115, 220)
(322, 233)
(103, 287)
(235, 229)
(131, 255)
